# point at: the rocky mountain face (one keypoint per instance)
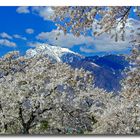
(107, 70)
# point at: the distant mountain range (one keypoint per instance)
(107, 70)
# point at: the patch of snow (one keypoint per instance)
(95, 65)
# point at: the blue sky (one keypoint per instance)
(22, 28)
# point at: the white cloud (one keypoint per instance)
(102, 43)
(43, 11)
(5, 35)
(19, 37)
(106, 45)
(58, 38)
(23, 9)
(5, 42)
(29, 31)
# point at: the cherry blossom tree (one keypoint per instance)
(44, 97)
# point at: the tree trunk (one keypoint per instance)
(25, 130)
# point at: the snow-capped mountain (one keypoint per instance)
(53, 52)
(107, 70)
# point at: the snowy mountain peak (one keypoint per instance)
(54, 52)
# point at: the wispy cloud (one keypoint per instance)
(33, 44)
(5, 42)
(23, 10)
(5, 35)
(29, 31)
(19, 37)
(86, 49)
